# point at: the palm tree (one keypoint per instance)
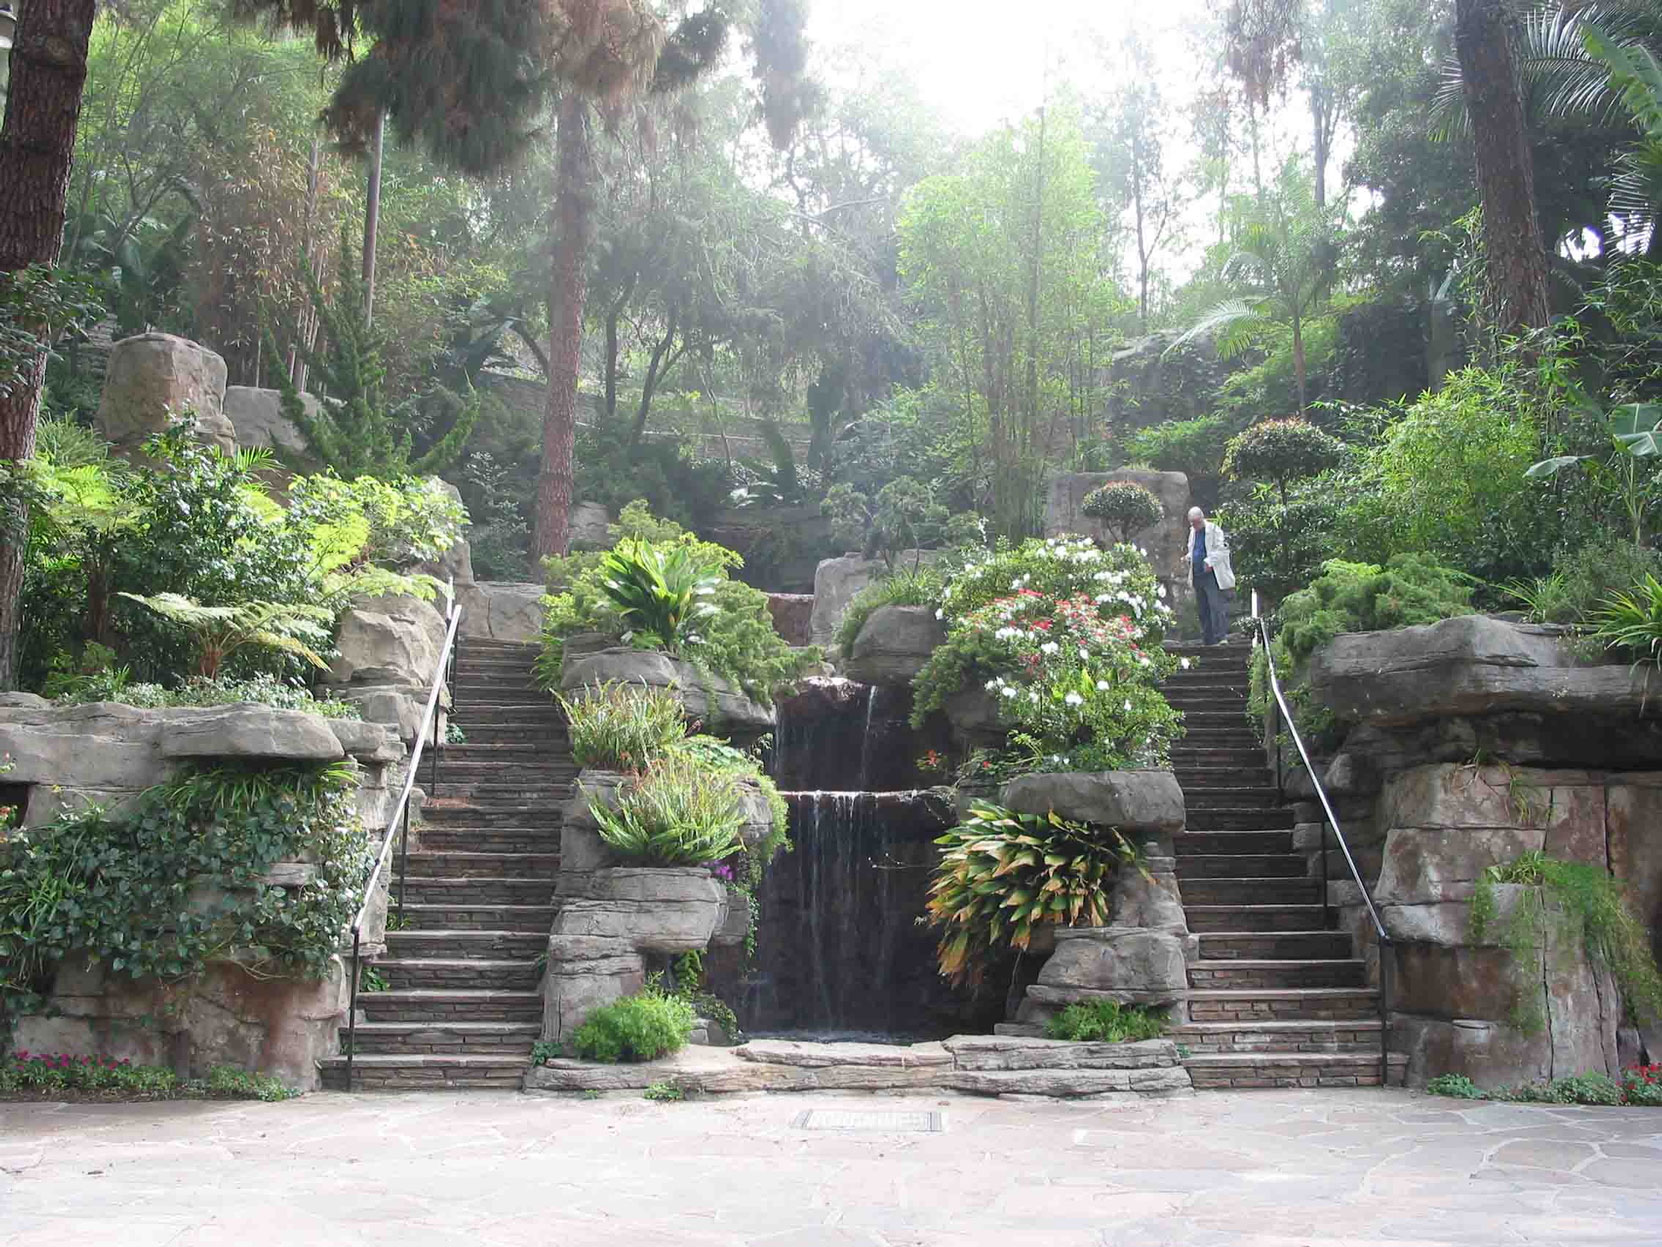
(1282, 267)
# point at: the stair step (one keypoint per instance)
(459, 1038)
(1198, 842)
(512, 752)
(1208, 757)
(475, 891)
(455, 865)
(1217, 1071)
(1233, 1004)
(438, 1005)
(469, 943)
(1239, 818)
(1275, 945)
(478, 917)
(1273, 891)
(1242, 866)
(456, 812)
(1210, 797)
(499, 1072)
(1208, 918)
(1243, 973)
(1357, 1035)
(407, 973)
(490, 839)
(1214, 719)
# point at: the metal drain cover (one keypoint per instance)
(892, 1123)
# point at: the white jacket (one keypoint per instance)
(1217, 555)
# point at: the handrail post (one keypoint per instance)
(1327, 905)
(352, 1011)
(1387, 959)
(403, 856)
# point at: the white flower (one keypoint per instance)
(1074, 699)
(1184, 663)
(1049, 647)
(1161, 590)
(1008, 691)
(1128, 705)
(1084, 654)
(1102, 686)
(939, 613)
(1032, 696)
(992, 686)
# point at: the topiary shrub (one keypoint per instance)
(642, 1027)
(1280, 451)
(1125, 507)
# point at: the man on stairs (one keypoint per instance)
(1208, 560)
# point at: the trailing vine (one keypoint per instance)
(1580, 904)
(180, 880)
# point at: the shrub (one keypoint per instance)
(1632, 621)
(59, 1072)
(677, 813)
(1362, 597)
(918, 586)
(1642, 1085)
(1193, 447)
(218, 632)
(1281, 451)
(1278, 545)
(664, 1093)
(262, 690)
(1106, 1021)
(1584, 580)
(1124, 507)
(1455, 1086)
(656, 591)
(623, 727)
(1062, 567)
(1002, 875)
(642, 1027)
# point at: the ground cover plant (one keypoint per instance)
(1106, 1021)
(650, 1024)
(41, 1075)
(1640, 1087)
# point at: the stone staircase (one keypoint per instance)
(462, 1004)
(1276, 998)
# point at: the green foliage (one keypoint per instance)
(176, 883)
(1642, 1086)
(1580, 904)
(621, 727)
(1281, 451)
(398, 522)
(1125, 507)
(642, 1027)
(107, 1078)
(1002, 875)
(664, 1093)
(1193, 447)
(218, 632)
(1361, 597)
(1276, 543)
(904, 516)
(1631, 622)
(38, 304)
(1060, 567)
(655, 591)
(676, 813)
(1584, 580)
(1455, 1086)
(735, 641)
(112, 684)
(919, 586)
(1106, 1021)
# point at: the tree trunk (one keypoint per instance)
(43, 104)
(372, 213)
(656, 370)
(574, 231)
(1321, 139)
(1515, 253)
(1300, 377)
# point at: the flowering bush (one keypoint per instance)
(1070, 646)
(1642, 1085)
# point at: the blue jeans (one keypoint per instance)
(1213, 607)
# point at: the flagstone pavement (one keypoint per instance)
(1329, 1168)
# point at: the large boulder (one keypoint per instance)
(793, 617)
(256, 416)
(389, 640)
(837, 580)
(1129, 800)
(1469, 665)
(500, 610)
(152, 376)
(587, 527)
(710, 701)
(894, 644)
(250, 731)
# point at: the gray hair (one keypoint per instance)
(1194, 511)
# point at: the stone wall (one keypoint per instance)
(1462, 745)
(70, 757)
(1166, 542)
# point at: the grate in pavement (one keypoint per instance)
(893, 1122)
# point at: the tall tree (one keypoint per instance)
(37, 143)
(1514, 252)
(1133, 163)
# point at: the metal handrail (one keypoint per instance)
(1386, 945)
(399, 824)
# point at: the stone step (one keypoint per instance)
(455, 812)
(409, 973)
(1202, 783)
(425, 1038)
(490, 839)
(440, 1005)
(479, 918)
(1242, 866)
(490, 792)
(1239, 818)
(1220, 1071)
(547, 735)
(1211, 718)
(1206, 756)
(1358, 1035)
(1233, 1004)
(468, 944)
(1275, 945)
(1212, 797)
(517, 752)
(456, 865)
(1243, 973)
(1251, 892)
(475, 891)
(1206, 918)
(493, 707)
(1243, 737)
(1195, 842)
(1206, 676)
(494, 1072)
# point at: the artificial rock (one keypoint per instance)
(894, 644)
(151, 378)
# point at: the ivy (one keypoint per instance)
(177, 883)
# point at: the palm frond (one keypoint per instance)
(1230, 315)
